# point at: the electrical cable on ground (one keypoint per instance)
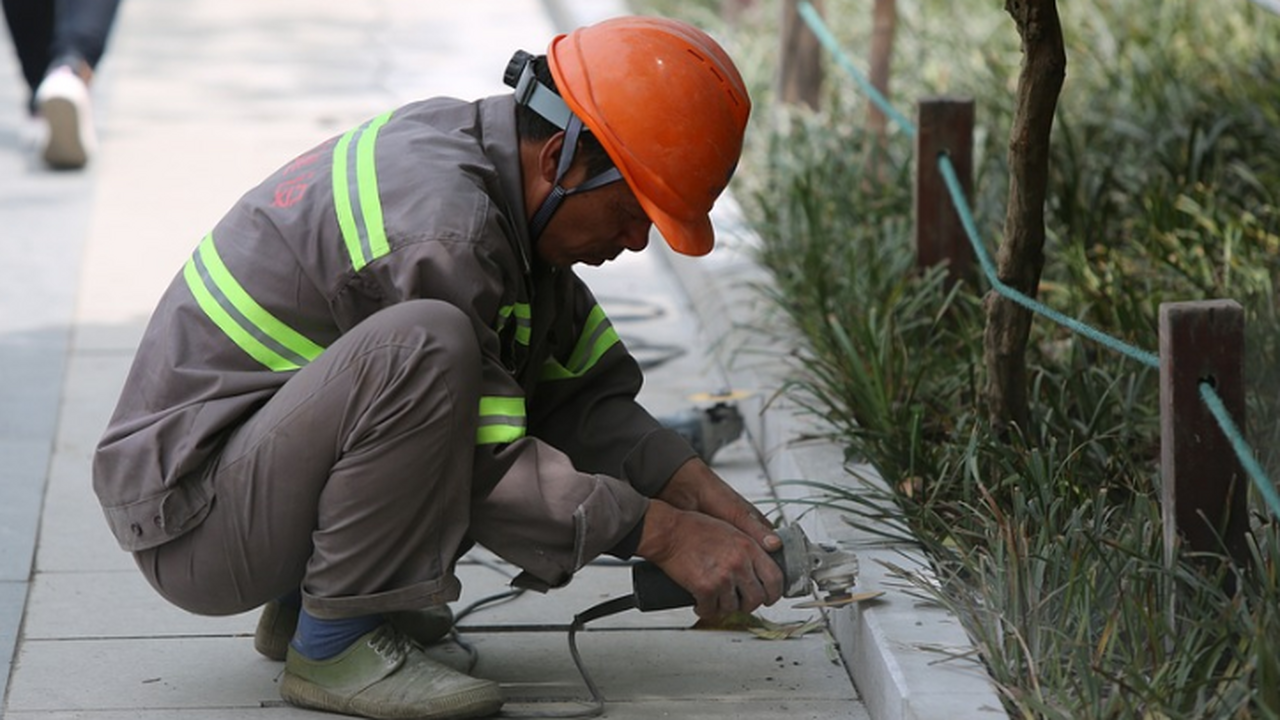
(601, 610)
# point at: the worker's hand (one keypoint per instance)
(695, 487)
(724, 569)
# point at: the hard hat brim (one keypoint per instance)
(694, 237)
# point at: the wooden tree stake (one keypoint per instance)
(944, 125)
(1204, 485)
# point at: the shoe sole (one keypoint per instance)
(66, 148)
(477, 703)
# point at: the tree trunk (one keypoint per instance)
(884, 23)
(800, 72)
(733, 10)
(1021, 256)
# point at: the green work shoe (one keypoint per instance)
(385, 674)
(277, 623)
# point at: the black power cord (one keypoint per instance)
(595, 612)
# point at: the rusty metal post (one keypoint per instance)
(800, 68)
(1204, 485)
(944, 125)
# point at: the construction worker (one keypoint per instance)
(381, 355)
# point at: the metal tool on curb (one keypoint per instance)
(707, 430)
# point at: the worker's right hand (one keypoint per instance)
(722, 567)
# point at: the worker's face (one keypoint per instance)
(595, 227)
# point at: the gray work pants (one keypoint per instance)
(353, 482)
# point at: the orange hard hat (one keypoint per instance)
(670, 109)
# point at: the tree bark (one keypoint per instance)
(800, 72)
(733, 10)
(884, 24)
(1021, 256)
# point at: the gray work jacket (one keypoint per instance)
(425, 201)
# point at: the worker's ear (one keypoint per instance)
(549, 158)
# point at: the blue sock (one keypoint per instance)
(319, 639)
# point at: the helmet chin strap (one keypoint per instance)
(559, 192)
(544, 101)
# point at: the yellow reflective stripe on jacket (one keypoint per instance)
(355, 175)
(502, 420)
(249, 325)
(596, 339)
(524, 320)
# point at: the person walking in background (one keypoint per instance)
(59, 43)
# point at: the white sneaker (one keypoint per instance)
(63, 101)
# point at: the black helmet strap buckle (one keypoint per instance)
(532, 93)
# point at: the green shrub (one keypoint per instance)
(1164, 169)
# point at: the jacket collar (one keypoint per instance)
(501, 144)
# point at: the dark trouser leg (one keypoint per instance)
(31, 27)
(353, 481)
(82, 28)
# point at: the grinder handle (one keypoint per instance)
(655, 590)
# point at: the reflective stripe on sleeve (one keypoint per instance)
(596, 339)
(246, 323)
(523, 314)
(502, 420)
(355, 175)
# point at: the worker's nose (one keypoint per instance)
(636, 237)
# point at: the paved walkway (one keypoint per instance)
(199, 99)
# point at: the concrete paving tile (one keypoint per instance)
(273, 712)
(664, 665)
(121, 337)
(89, 395)
(45, 214)
(13, 596)
(140, 674)
(74, 534)
(32, 372)
(208, 673)
(720, 709)
(116, 604)
(22, 476)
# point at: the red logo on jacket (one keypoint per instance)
(297, 178)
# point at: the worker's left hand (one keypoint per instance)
(696, 487)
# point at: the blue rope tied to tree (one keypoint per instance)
(1210, 397)
(966, 219)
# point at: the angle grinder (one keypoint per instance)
(804, 564)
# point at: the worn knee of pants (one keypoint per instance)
(353, 481)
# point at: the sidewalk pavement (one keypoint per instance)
(197, 101)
